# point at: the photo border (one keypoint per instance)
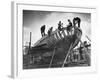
(17, 21)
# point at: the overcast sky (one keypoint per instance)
(33, 20)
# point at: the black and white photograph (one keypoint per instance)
(54, 39)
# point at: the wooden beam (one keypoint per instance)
(52, 58)
(67, 55)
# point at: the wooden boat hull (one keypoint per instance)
(57, 45)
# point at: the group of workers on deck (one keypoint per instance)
(76, 21)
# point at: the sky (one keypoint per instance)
(33, 20)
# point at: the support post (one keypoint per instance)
(29, 43)
(52, 58)
(67, 55)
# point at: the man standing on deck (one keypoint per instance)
(60, 25)
(43, 30)
(81, 51)
(69, 26)
(50, 31)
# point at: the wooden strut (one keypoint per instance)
(67, 55)
(69, 52)
(52, 58)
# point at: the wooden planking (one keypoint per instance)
(53, 39)
(64, 33)
(57, 36)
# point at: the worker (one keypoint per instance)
(69, 26)
(81, 51)
(43, 30)
(60, 25)
(50, 31)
